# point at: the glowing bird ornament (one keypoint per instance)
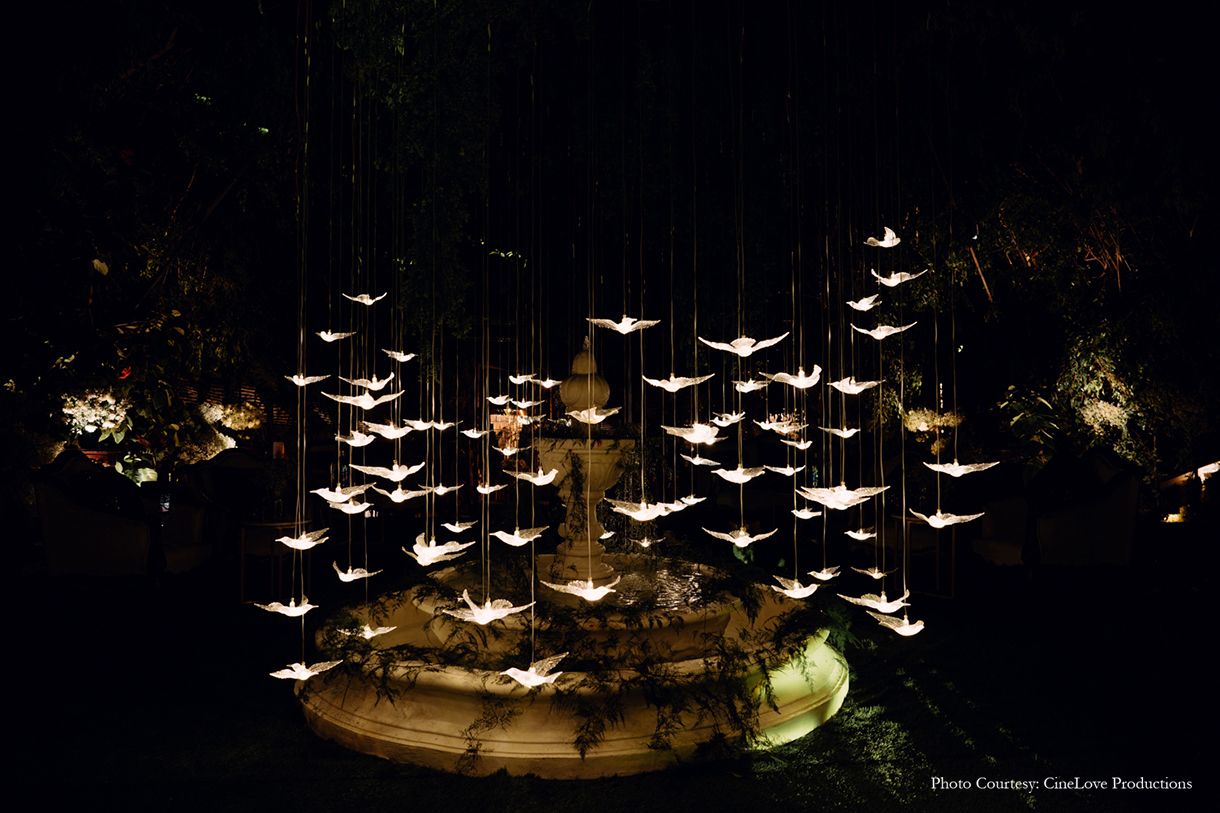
(458, 527)
(744, 346)
(519, 537)
(941, 520)
(675, 383)
(802, 445)
(475, 434)
(439, 426)
(696, 433)
(356, 439)
(366, 632)
(739, 475)
(873, 573)
(353, 573)
(956, 469)
(792, 588)
(826, 574)
(328, 336)
(548, 383)
(373, 384)
(800, 380)
(400, 496)
(352, 507)
(783, 426)
(879, 603)
(364, 400)
(398, 356)
(628, 325)
(727, 419)
(889, 241)
(305, 541)
(498, 400)
(902, 626)
(441, 491)
(291, 609)
(850, 386)
(342, 494)
(884, 331)
(509, 451)
(490, 611)
(787, 471)
(525, 404)
(749, 386)
(389, 431)
(303, 380)
(433, 553)
(691, 500)
(865, 304)
(862, 534)
(300, 671)
(805, 513)
(538, 673)
(896, 279)
(699, 461)
(593, 414)
(395, 474)
(485, 490)
(538, 479)
(740, 537)
(585, 589)
(839, 433)
(521, 379)
(840, 498)
(365, 299)
(642, 511)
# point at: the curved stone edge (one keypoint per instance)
(427, 723)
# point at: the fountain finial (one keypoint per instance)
(584, 388)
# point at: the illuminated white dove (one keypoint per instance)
(696, 433)
(799, 444)
(366, 632)
(439, 426)
(305, 541)
(805, 513)
(489, 489)
(851, 386)
(519, 537)
(873, 572)
(728, 419)
(300, 671)
(365, 299)
(699, 461)
(800, 380)
(642, 511)
(840, 433)
(865, 304)
(373, 384)
(490, 611)
(897, 278)
(739, 475)
(745, 345)
(525, 404)
(364, 400)
(879, 603)
(353, 573)
(889, 241)
(740, 537)
(749, 386)
(388, 430)
(398, 495)
(292, 609)
(458, 527)
(302, 380)
(521, 379)
(825, 575)
(475, 434)
(862, 534)
(356, 439)
(395, 474)
(692, 500)
(509, 451)
(327, 336)
(398, 356)
(956, 469)
(884, 331)
(548, 383)
(675, 383)
(901, 626)
(538, 479)
(792, 588)
(783, 426)
(498, 400)
(593, 414)
(441, 491)
(585, 589)
(940, 520)
(341, 495)
(787, 471)
(352, 507)
(840, 497)
(538, 673)
(628, 324)
(432, 553)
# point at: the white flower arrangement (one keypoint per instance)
(94, 411)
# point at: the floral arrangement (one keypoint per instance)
(95, 411)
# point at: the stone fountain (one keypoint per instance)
(418, 695)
